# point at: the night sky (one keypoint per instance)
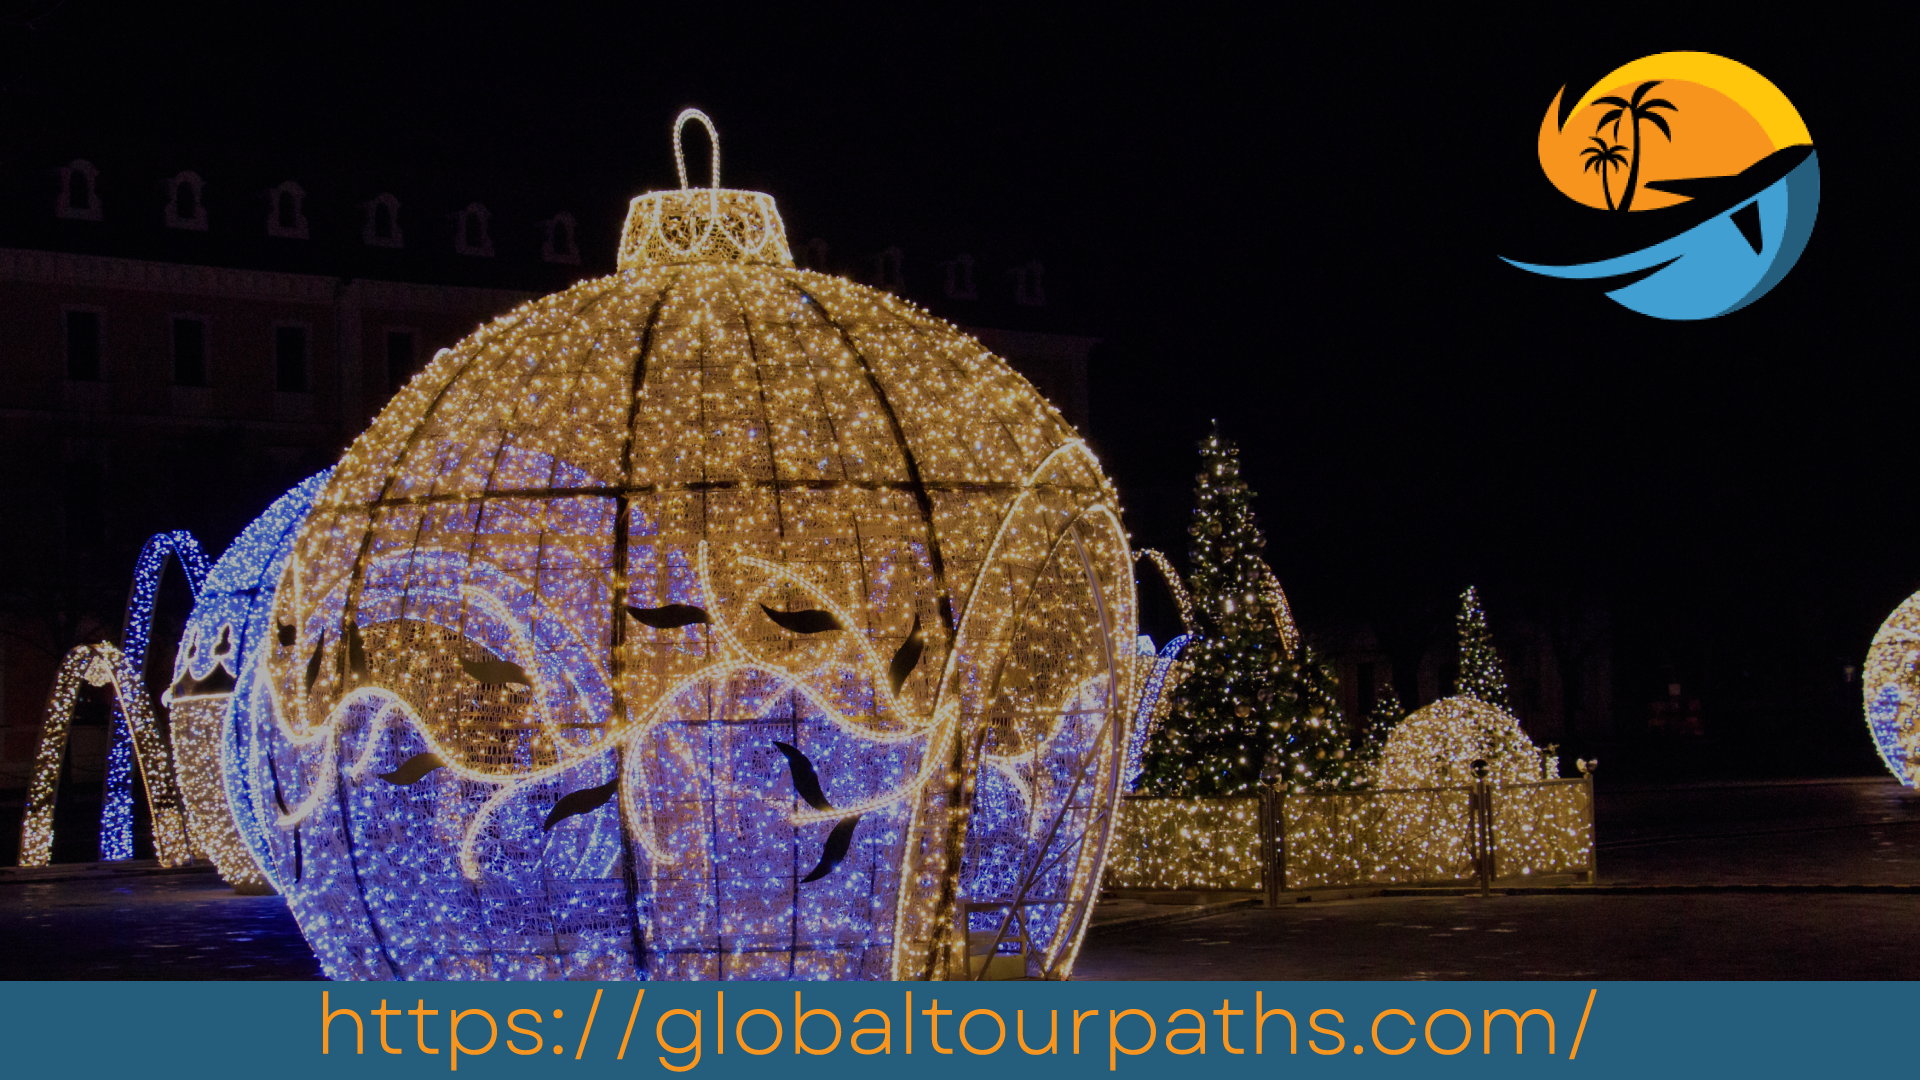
(1276, 220)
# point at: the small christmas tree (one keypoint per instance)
(1381, 719)
(1481, 675)
(1248, 707)
(1314, 750)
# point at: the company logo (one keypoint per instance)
(1699, 168)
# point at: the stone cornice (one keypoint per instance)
(181, 279)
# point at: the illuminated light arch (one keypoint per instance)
(103, 665)
(713, 619)
(1156, 698)
(1276, 600)
(1178, 589)
(116, 811)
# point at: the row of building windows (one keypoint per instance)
(186, 208)
(292, 352)
(78, 198)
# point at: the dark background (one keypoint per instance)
(1281, 221)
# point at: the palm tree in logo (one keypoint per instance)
(1601, 157)
(1636, 110)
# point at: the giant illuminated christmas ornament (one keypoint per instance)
(1436, 746)
(713, 619)
(1892, 689)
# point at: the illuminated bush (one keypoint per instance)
(1437, 745)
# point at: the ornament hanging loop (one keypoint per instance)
(713, 142)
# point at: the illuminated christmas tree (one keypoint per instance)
(1387, 712)
(1481, 675)
(1254, 703)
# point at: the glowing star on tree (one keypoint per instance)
(713, 619)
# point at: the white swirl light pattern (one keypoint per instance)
(715, 619)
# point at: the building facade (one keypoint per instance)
(168, 361)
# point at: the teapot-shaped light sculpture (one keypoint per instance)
(712, 619)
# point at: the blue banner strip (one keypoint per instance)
(284, 1030)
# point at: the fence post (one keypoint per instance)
(1273, 866)
(1593, 831)
(1483, 827)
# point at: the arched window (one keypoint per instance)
(960, 277)
(561, 245)
(186, 206)
(382, 226)
(79, 196)
(470, 235)
(1029, 290)
(285, 216)
(887, 269)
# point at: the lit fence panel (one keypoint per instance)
(1544, 828)
(1186, 844)
(1407, 836)
(1401, 837)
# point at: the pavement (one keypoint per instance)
(1788, 880)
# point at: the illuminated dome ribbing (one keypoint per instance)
(712, 619)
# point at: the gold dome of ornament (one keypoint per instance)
(712, 619)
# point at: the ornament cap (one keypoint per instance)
(711, 224)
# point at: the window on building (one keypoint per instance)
(1029, 287)
(290, 359)
(186, 205)
(189, 351)
(561, 245)
(400, 353)
(382, 225)
(285, 214)
(470, 236)
(960, 278)
(79, 191)
(83, 346)
(887, 269)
